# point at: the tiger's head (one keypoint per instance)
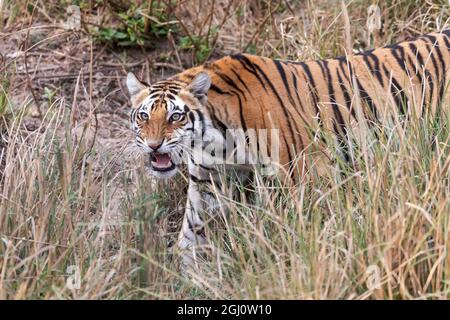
(163, 118)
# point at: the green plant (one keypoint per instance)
(139, 25)
(130, 33)
(5, 117)
(3, 103)
(49, 94)
(199, 45)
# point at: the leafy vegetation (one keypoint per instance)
(136, 27)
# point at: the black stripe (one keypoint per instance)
(361, 91)
(170, 95)
(342, 143)
(282, 105)
(200, 115)
(241, 113)
(215, 119)
(435, 43)
(326, 73)
(401, 61)
(337, 113)
(248, 65)
(343, 64)
(436, 46)
(288, 150)
(186, 236)
(284, 79)
(347, 99)
(417, 70)
(206, 168)
(375, 70)
(194, 229)
(249, 91)
(218, 90)
(286, 84)
(363, 94)
(236, 74)
(201, 119)
(173, 91)
(133, 115)
(294, 79)
(426, 72)
(397, 92)
(436, 71)
(191, 116)
(447, 43)
(155, 94)
(313, 90)
(230, 82)
(198, 180)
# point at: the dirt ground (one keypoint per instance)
(84, 75)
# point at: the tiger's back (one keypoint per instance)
(303, 99)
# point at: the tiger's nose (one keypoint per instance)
(155, 146)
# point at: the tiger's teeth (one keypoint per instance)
(161, 161)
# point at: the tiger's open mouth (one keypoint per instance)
(161, 162)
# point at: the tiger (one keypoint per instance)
(298, 100)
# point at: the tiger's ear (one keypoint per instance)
(199, 86)
(134, 85)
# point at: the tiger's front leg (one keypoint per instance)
(201, 207)
(192, 235)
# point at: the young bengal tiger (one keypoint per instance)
(187, 118)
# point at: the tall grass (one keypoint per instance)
(58, 218)
(78, 222)
(381, 231)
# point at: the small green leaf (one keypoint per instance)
(120, 35)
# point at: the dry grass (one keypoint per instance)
(75, 199)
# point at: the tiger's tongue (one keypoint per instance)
(161, 160)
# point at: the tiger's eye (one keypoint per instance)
(143, 116)
(176, 117)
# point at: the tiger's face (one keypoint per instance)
(163, 118)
